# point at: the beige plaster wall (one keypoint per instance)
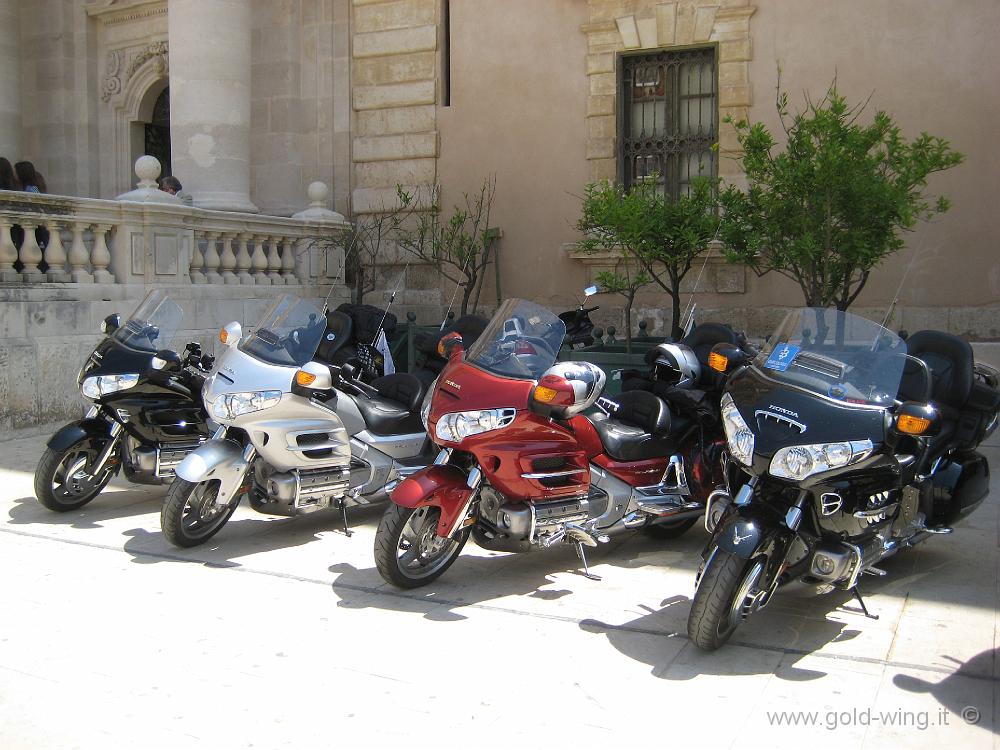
(935, 66)
(518, 110)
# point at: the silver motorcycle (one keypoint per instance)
(297, 434)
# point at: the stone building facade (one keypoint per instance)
(250, 101)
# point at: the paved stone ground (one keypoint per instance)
(280, 633)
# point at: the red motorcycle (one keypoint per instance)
(521, 466)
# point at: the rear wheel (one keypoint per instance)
(63, 479)
(190, 515)
(728, 591)
(670, 529)
(408, 551)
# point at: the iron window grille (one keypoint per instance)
(669, 118)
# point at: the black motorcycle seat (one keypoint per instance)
(396, 408)
(706, 335)
(642, 428)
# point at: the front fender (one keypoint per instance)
(74, 432)
(443, 487)
(216, 459)
(752, 531)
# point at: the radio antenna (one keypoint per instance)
(392, 298)
(892, 305)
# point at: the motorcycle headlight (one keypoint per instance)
(232, 405)
(101, 385)
(458, 425)
(797, 462)
(738, 434)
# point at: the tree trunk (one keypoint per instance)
(629, 299)
(676, 332)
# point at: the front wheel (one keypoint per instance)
(64, 480)
(408, 551)
(190, 515)
(728, 591)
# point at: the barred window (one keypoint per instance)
(669, 118)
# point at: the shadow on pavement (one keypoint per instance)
(953, 692)
(246, 536)
(137, 501)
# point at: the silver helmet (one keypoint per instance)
(676, 365)
(587, 380)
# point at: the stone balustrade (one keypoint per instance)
(150, 237)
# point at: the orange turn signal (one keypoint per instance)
(912, 425)
(543, 394)
(304, 378)
(441, 349)
(224, 336)
(718, 362)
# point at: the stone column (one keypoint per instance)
(10, 81)
(210, 101)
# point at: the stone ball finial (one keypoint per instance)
(318, 192)
(147, 169)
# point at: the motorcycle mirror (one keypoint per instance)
(166, 359)
(111, 324)
(347, 372)
(315, 376)
(231, 334)
(451, 345)
(591, 290)
(916, 419)
(725, 358)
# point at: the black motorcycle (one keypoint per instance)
(146, 412)
(845, 445)
(579, 326)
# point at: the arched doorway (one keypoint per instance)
(157, 131)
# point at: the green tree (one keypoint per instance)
(661, 235)
(458, 245)
(831, 205)
(626, 281)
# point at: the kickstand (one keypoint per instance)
(343, 515)
(583, 559)
(857, 595)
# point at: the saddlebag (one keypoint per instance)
(960, 484)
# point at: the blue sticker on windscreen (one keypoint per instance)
(781, 357)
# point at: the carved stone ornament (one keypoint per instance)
(114, 79)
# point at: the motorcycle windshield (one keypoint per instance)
(837, 355)
(152, 325)
(521, 341)
(288, 334)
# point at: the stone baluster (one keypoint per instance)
(228, 260)
(273, 261)
(258, 261)
(288, 261)
(100, 257)
(197, 262)
(243, 261)
(30, 255)
(79, 256)
(212, 259)
(8, 254)
(55, 255)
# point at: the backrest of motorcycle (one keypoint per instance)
(339, 329)
(705, 336)
(950, 361)
(366, 320)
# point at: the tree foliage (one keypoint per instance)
(626, 281)
(829, 207)
(661, 235)
(458, 245)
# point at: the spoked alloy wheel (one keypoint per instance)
(63, 480)
(728, 592)
(190, 514)
(408, 551)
